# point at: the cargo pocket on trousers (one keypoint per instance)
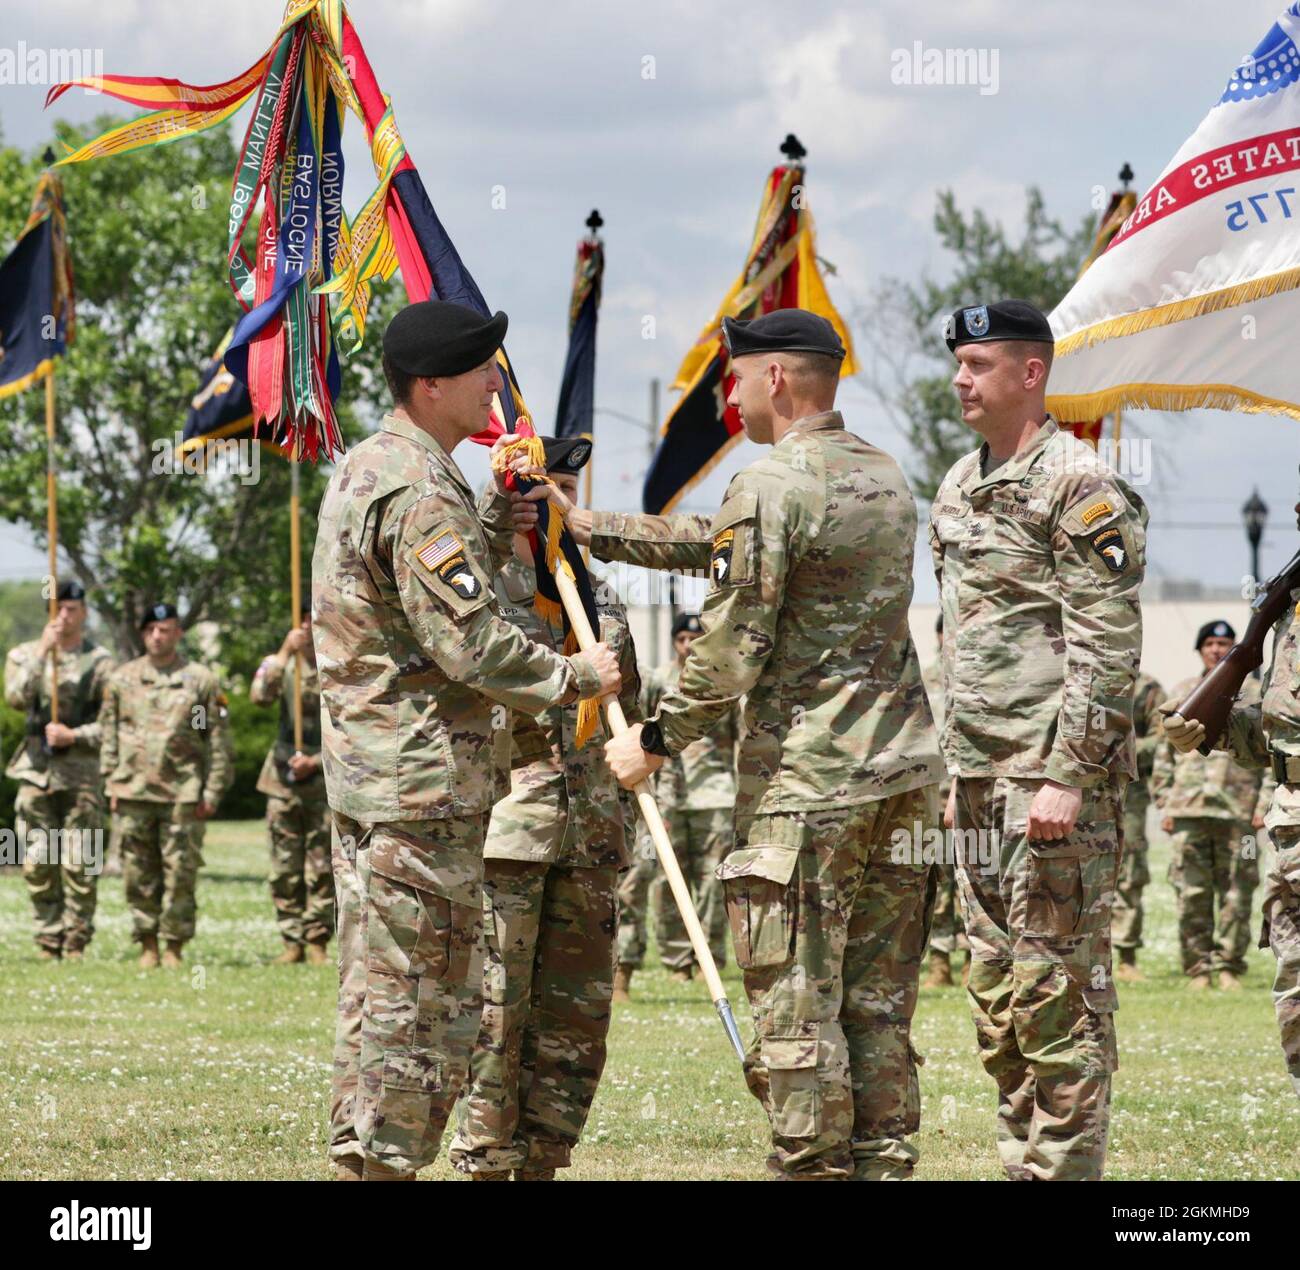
(1095, 1031)
(762, 904)
(410, 1080)
(790, 1056)
(1066, 892)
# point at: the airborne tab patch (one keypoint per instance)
(720, 565)
(1109, 545)
(1095, 512)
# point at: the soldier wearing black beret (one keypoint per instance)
(419, 673)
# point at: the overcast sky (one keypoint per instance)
(553, 103)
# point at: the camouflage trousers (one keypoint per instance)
(829, 920)
(1127, 914)
(1042, 995)
(700, 840)
(410, 977)
(947, 927)
(1281, 933)
(61, 862)
(161, 853)
(302, 881)
(547, 979)
(1218, 868)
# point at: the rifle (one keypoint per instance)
(1211, 700)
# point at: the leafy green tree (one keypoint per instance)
(907, 363)
(148, 237)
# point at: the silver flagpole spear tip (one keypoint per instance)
(723, 1007)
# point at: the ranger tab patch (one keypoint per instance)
(1096, 511)
(720, 566)
(1109, 545)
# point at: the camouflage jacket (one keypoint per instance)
(703, 776)
(1147, 696)
(272, 684)
(810, 568)
(27, 688)
(1199, 785)
(1039, 566)
(563, 806)
(166, 734)
(410, 648)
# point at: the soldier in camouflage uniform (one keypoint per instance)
(1039, 552)
(554, 846)
(810, 568)
(59, 811)
(947, 927)
(696, 792)
(297, 814)
(1127, 913)
(1265, 734)
(412, 653)
(1211, 805)
(167, 761)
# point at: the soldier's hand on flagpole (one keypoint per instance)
(601, 658)
(628, 761)
(50, 636)
(1183, 734)
(58, 736)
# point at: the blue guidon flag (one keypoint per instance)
(37, 300)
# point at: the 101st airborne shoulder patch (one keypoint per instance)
(720, 564)
(1109, 545)
(444, 556)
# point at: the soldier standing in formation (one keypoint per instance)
(412, 653)
(167, 761)
(1211, 805)
(947, 928)
(297, 813)
(1134, 874)
(59, 809)
(810, 567)
(1265, 734)
(696, 791)
(554, 847)
(1039, 553)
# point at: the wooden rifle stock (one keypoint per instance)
(1211, 700)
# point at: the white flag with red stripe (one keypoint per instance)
(1195, 302)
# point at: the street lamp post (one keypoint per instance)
(1255, 514)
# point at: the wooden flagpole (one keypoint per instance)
(52, 532)
(295, 585)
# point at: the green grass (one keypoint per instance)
(222, 1070)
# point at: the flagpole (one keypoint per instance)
(52, 532)
(295, 585)
(655, 823)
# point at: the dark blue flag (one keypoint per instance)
(574, 413)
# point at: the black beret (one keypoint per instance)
(566, 454)
(434, 338)
(782, 331)
(70, 590)
(689, 622)
(1005, 320)
(1214, 630)
(157, 613)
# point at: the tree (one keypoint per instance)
(147, 232)
(908, 365)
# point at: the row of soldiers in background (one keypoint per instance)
(152, 737)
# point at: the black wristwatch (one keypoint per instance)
(652, 739)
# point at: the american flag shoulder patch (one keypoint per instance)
(439, 548)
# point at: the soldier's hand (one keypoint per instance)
(628, 761)
(601, 658)
(1053, 812)
(295, 641)
(204, 810)
(1167, 824)
(303, 766)
(1183, 734)
(519, 465)
(950, 810)
(50, 636)
(58, 736)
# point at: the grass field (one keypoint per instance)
(221, 1070)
